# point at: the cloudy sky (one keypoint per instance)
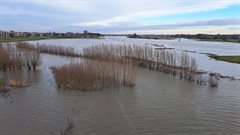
(122, 16)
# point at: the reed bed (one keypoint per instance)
(12, 58)
(17, 79)
(167, 61)
(94, 75)
(49, 49)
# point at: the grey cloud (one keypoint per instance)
(120, 27)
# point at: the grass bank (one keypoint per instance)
(221, 40)
(16, 39)
(232, 59)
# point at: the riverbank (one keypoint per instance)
(16, 39)
(220, 40)
(157, 37)
(231, 59)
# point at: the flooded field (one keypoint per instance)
(197, 49)
(158, 104)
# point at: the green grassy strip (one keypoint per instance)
(16, 39)
(221, 40)
(232, 59)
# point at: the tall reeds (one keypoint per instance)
(17, 79)
(163, 60)
(49, 49)
(12, 58)
(145, 56)
(95, 75)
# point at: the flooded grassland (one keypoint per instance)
(158, 103)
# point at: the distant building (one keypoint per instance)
(4, 34)
(85, 34)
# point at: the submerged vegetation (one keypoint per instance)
(165, 61)
(17, 79)
(94, 75)
(11, 58)
(48, 49)
(110, 66)
(15, 61)
(232, 59)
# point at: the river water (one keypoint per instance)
(158, 104)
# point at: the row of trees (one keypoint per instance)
(167, 61)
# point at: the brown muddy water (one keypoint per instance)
(158, 104)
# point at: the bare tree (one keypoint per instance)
(35, 59)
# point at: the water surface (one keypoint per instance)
(158, 104)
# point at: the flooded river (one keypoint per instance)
(158, 104)
(197, 49)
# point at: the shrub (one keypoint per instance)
(94, 75)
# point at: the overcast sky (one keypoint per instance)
(122, 16)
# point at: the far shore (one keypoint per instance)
(17, 39)
(220, 40)
(231, 59)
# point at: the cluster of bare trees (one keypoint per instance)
(95, 75)
(32, 59)
(49, 49)
(167, 61)
(10, 58)
(14, 59)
